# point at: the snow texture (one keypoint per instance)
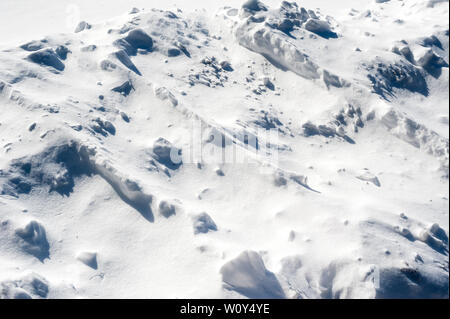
(138, 158)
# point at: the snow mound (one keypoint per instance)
(33, 240)
(56, 167)
(248, 276)
(83, 25)
(110, 134)
(320, 27)
(369, 177)
(164, 94)
(414, 283)
(268, 32)
(89, 259)
(277, 49)
(166, 154)
(418, 136)
(136, 39)
(166, 209)
(47, 57)
(125, 88)
(203, 223)
(123, 57)
(401, 75)
(432, 63)
(28, 287)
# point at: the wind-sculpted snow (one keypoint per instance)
(166, 154)
(27, 287)
(89, 259)
(261, 151)
(203, 223)
(47, 57)
(164, 94)
(166, 209)
(136, 39)
(123, 57)
(432, 63)
(128, 190)
(58, 167)
(33, 240)
(83, 25)
(369, 177)
(419, 136)
(401, 76)
(125, 88)
(411, 283)
(247, 275)
(276, 48)
(268, 32)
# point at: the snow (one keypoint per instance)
(224, 149)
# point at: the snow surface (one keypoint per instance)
(105, 104)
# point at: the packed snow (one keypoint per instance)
(224, 149)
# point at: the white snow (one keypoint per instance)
(138, 156)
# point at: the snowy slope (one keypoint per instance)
(247, 150)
